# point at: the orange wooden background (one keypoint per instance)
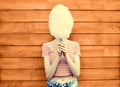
(24, 28)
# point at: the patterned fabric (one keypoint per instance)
(50, 49)
(52, 83)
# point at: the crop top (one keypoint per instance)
(50, 49)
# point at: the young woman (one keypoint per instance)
(61, 56)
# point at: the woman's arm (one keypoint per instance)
(50, 68)
(74, 65)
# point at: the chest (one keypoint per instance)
(53, 51)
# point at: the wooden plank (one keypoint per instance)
(86, 74)
(48, 4)
(23, 83)
(35, 39)
(43, 27)
(24, 39)
(96, 39)
(37, 63)
(0, 70)
(35, 51)
(38, 16)
(100, 83)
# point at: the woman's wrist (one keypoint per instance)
(66, 54)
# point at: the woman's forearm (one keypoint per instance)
(52, 67)
(73, 67)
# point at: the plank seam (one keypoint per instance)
(71, 33)
(51, 9)
(78, 80)
(82, 57)
(43, 68)
(47, 21)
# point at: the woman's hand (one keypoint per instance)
(62, 48)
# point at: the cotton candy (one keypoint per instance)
(60, 21)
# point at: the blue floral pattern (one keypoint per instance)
(52, 83)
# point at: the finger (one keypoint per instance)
(60, 49)
(62, 44)
(63, 49)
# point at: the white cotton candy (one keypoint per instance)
(60, 22)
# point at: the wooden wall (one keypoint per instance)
(24, 28)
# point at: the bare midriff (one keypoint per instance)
(63, 79)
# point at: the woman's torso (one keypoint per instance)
(69, 76)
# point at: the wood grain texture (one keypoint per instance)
(42, 27)
(82, 83)
(24, 29)
(42, 16)
(86, 74)
(37, 63)
(48, 4)
(35, 51)
(36, 39)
